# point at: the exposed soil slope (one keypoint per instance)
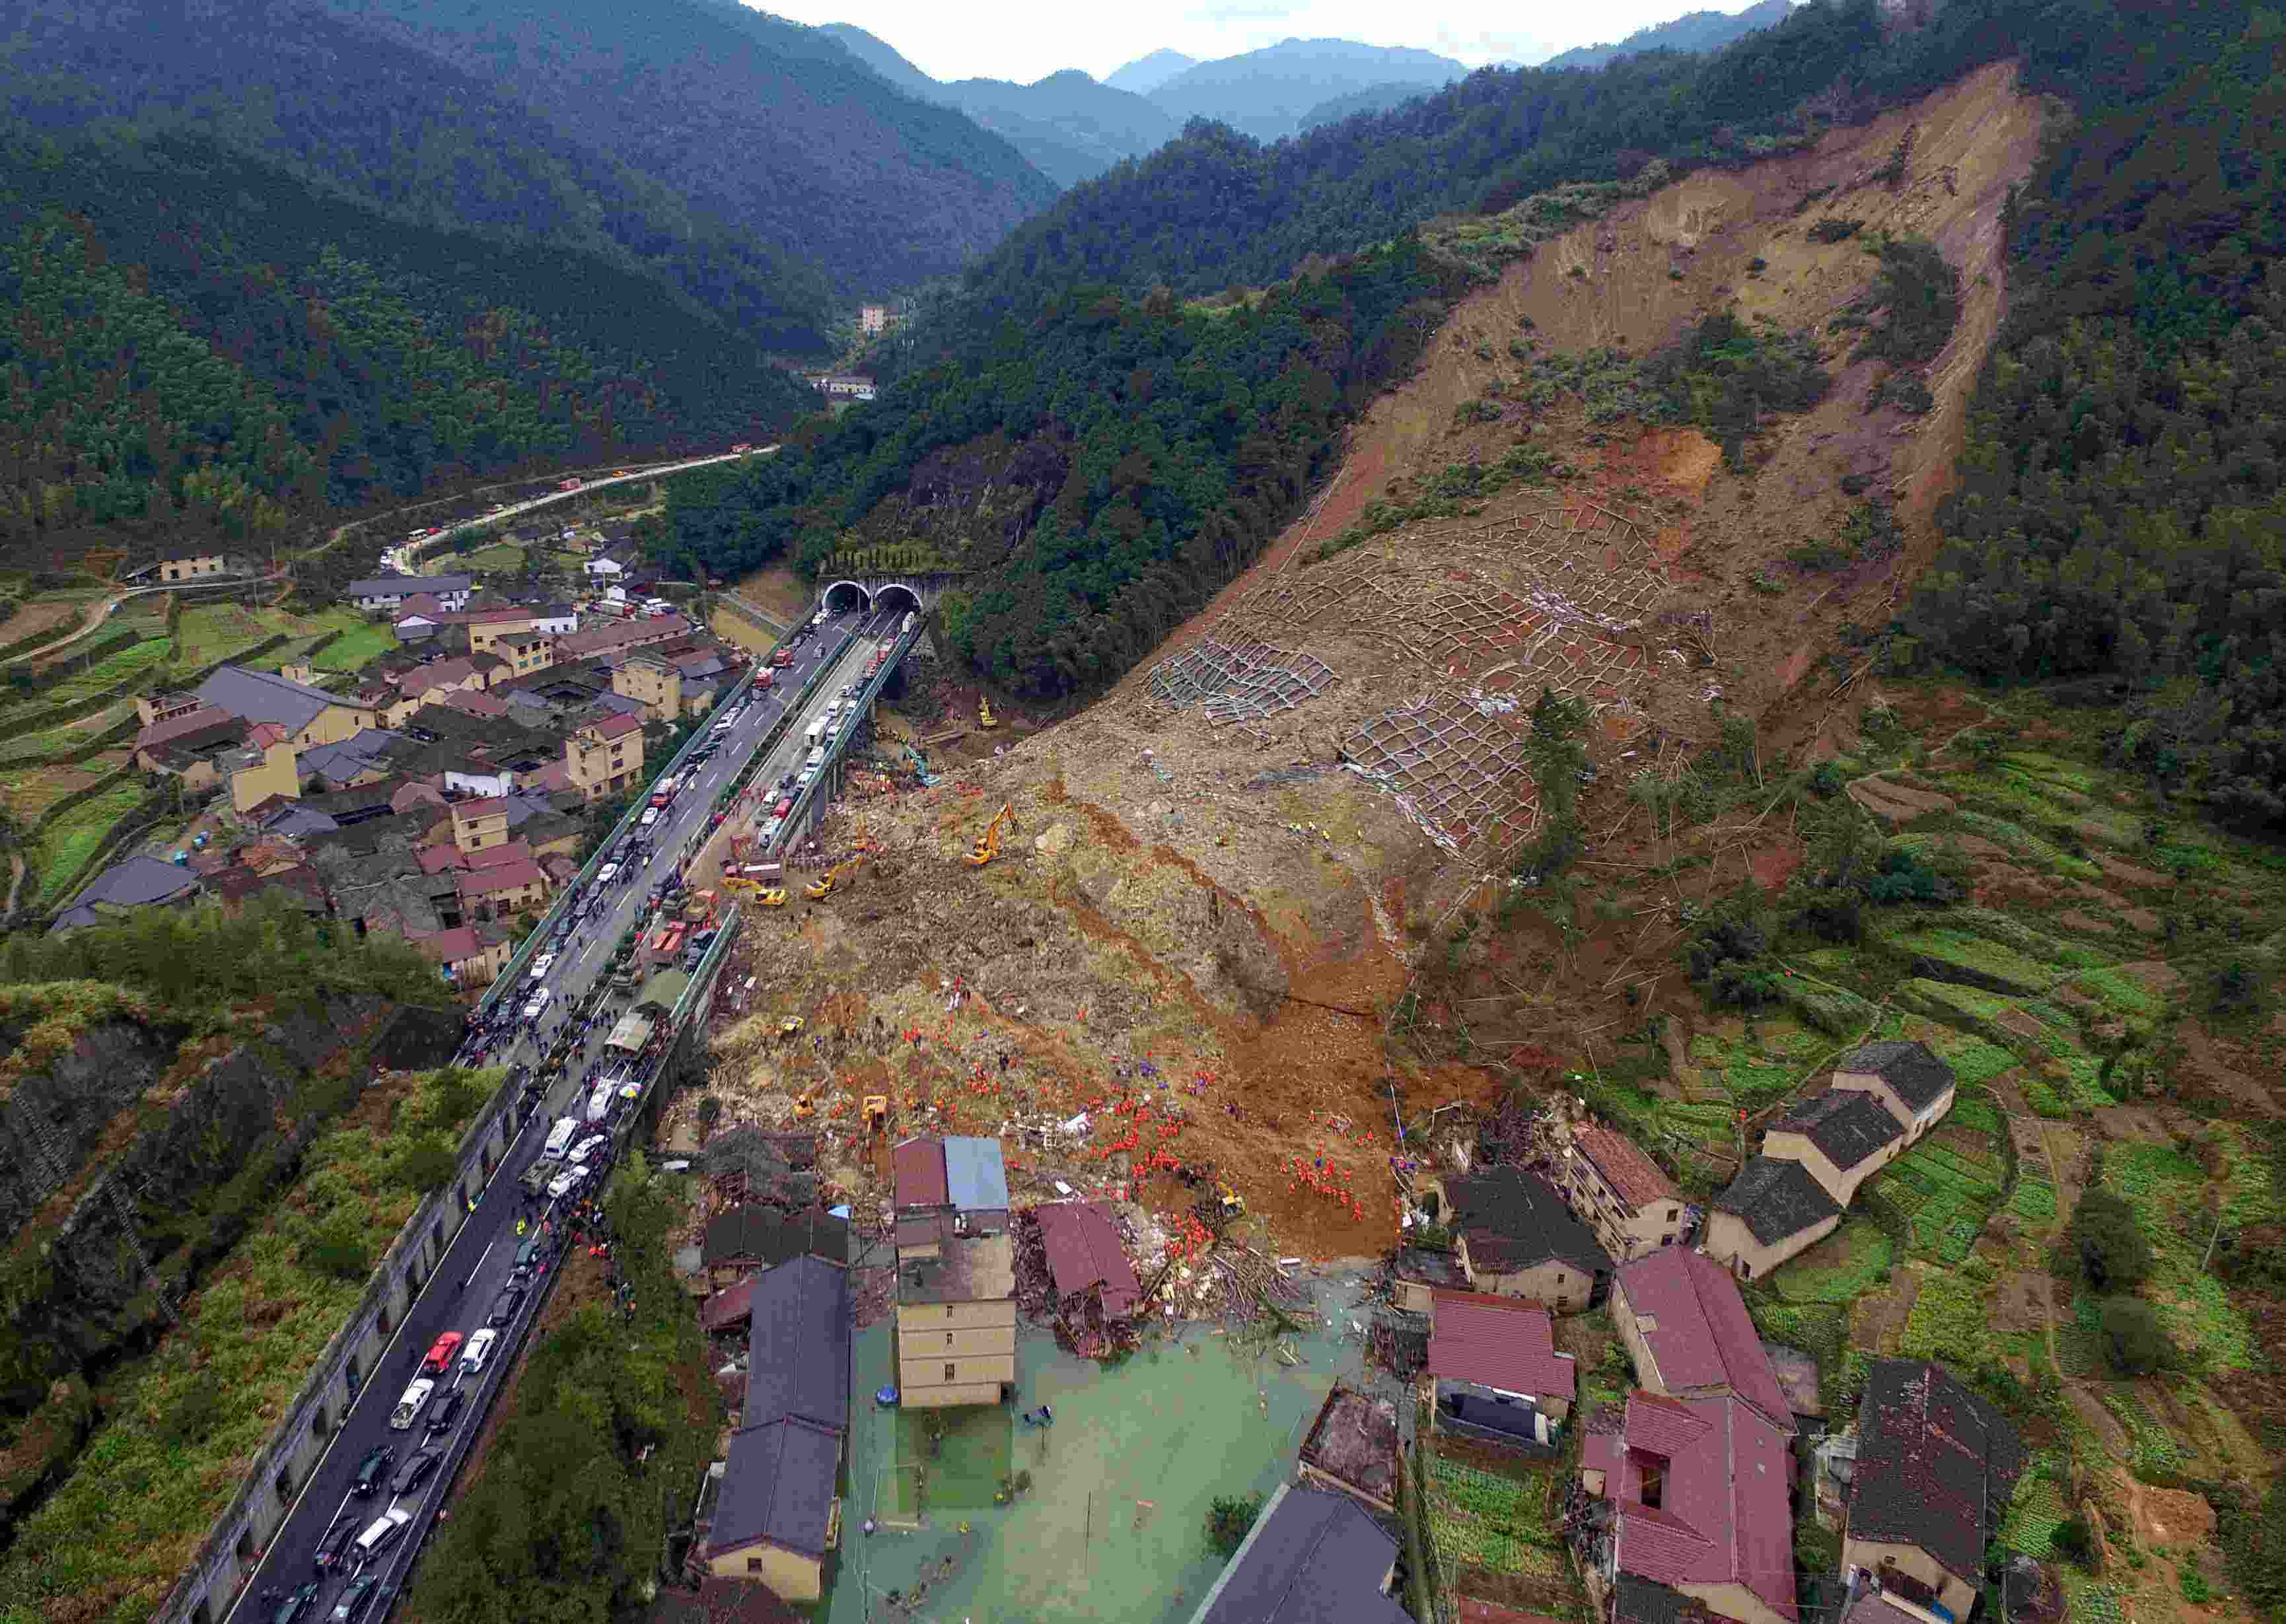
(1207, 883)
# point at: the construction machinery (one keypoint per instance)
(988, 844)
(773, 897)
(825, 888)
(876, 1111)
(985, 719)
(790, 1027)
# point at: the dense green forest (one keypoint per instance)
(1167, 445)
(2121, 519)
(199, 342)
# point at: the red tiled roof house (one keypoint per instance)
(1496, 1366)
(1691, 1496)
(1621, 1193)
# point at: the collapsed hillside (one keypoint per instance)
(1228, 870)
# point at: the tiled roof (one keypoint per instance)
(181, 726)
(778, 1488)
(482, 806)
(1313, 1556)
(1514, 1220)
(508, 877)
(1493, 1342)
(1694, 1323)
(1911, 1068)
(798, 1351)
(918, 1164)
(1776, 1198)
(1935, 1464)
(1083, 1250)
(1848, 1124)
(474, 702)
(615, 727)
(1724, 1516)
(762, 1234)
(501, 855)
(1631, 1173)
(261, 696)
(450, 946)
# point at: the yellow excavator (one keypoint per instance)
(985, 719)
(988, 844)
(834, 876)
(772, 897)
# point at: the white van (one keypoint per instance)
(560, 1135)
(384, 1531)
(600, 1098)
(409, 1406)
(815, 731)
(538, 1005)
(817, 760)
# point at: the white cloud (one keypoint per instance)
(1029, 39)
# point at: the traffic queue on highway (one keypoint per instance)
(554, 1029)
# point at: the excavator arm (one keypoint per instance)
(988, 844)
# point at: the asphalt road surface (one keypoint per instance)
(460, 1294)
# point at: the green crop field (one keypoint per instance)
(1492, 1522)
(65, 844)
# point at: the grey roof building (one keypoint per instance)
(1313, 1556)
(797, 1355)
(1848, 1124)
(778, 1489)
(138, 882)
(1912, 1070)
(1936, 1465)
(262, 696)
(1776, 1197)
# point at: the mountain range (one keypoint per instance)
(1069, 127)
(1692, 31)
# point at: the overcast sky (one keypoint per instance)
(1029, 39)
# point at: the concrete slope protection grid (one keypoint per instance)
(460, 1293)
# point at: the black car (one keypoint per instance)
(356, 1599)
(416, 1468)
(292, 1609)
(336, 1541)
(444, 1410)
(504, 1306)
(372, 1470)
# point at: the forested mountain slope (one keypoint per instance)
(201, 345)
(2121, 519)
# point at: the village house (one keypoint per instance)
(656, 682)
(604, 757)
(471, 956)
(754, 1236)
(480, 822)
(1515, 1237)
(555, 619)
(774, 1517)
(1908, 1077)
(390, 592)
(1351, 1448)
(1771, 1211)
(202, 566)
(1313, 1556)
(1682, 1320)
(1624, 1197)
(525, 651)
(307, 714)
(1841, 1137)
(1937, 1466)
(956, 1274)
(1496, 1368)
(126, 887)
(1693, 1496)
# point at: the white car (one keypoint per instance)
(479, 1351)
(560, 1135)
(384, 1531)
(807, 773)
(609, 872)
(587, 1148)
(569, 1180)
(649, 816)
(539, 966)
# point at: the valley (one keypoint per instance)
(1573, 913)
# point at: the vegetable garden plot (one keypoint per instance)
(1492, 1522)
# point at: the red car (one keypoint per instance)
(440, 1354)
(783, 807)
